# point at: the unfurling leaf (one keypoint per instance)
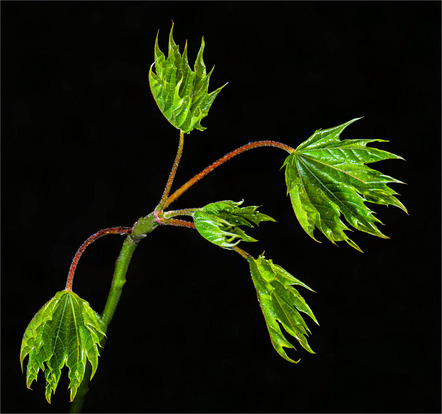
(218, 222)
(326, 177)
(65, 331)
(180, 93)
(281, 302)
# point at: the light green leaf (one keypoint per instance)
(65, 331)
(180, 93)
(327, 177)
(281, 302)
(218, 222)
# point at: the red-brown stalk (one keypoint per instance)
(222, 160)
(89, 240)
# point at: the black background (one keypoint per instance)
(84, 147)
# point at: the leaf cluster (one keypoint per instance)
(280, 302)
(327, 180)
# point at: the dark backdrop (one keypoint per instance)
(84, 147)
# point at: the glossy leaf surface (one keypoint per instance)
(219, 222)
(64, 332)
(180, 92)
(281, 304)
(327, 177)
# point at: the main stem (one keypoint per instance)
(141, 228)
(113, 298)
(216, 164)
(118, 280)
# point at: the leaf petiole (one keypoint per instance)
(242, 253)
(222, 160)
(82, 248)
(178, 223)
(161, 205)
(182, 212)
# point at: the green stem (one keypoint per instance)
(141, 228)
(118, 281)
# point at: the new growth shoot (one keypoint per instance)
(328, 182)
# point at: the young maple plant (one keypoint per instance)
(327, 179)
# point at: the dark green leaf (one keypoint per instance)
(218, 222)
(327, 177)
(65, 331)
(180, 93)
(281, 302)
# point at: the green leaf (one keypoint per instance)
(218, 222)
(327, 177)
(281, 302)
(180, 93)
(65, 331)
